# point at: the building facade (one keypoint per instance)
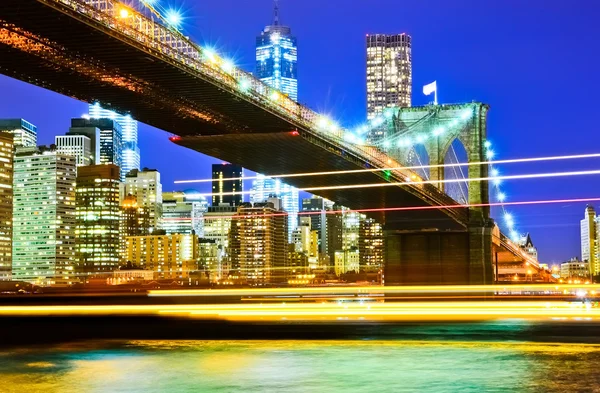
(277, 57)
(25, 133)
(146, 188)
(227, 191)
(389, 75)
(78, 146)
(315, 209)
(130, 151)
(6, 203)
(183, 214)
(263, 243)
(371, 247)
(98, 219)
(44, 217)
(105, 138)
(574, 269)
(218, 221)
(168, 256)
(589, 240)
(264, 188)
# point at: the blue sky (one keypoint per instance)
(534, 62)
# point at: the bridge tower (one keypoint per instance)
(416, 253)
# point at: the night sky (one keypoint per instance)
(535, 62)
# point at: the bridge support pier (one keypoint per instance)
(439, 258)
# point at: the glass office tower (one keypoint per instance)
(277, 57)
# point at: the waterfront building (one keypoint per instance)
(277, 57)
(168, 256)
(318, 221)
(218, 221)
(6, 203)
(370, 246)
(589, 240)
(264, 188)
(223, 190)
(146, 188)
(574, 269)
(347, 261)
(98, 219)
(130, 151)
(389, 75)
(263, 248)
(24, 133)
(44, 217)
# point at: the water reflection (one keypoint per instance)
(300, 366)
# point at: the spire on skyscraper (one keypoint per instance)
(276, 13)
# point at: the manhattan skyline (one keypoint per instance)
(540, 99)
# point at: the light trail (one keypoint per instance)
(403, 208)
(460, 164)
(454, 311)
(378, 290)
(422, 182)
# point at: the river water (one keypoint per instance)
(302, 366)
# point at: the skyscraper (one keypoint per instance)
(277, 57)
(222, 189)
(129, 127)
(105, 139)
(218, 221)
(146, 188)
(264, 188)
(589, 240)
(24, 132)
(98, 218)
(318, 220)
(6, 204)
(370, 246)
(263, 242)
(44, 217)
(389, 75)
(78, 146)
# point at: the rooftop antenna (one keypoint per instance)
(276, 13)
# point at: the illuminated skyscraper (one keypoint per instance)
(370, 246)
(263, 245)
(6, 204)
(318, 222)
(44, 217)
(129, 149)
(24, 132)
(264, 188)
(146, 188)
(277, 57)
(589, 240)
(98, 218)
(222, 189)
(105, 140)
(218, 221)
(389, 75)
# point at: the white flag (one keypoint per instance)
(430, 88)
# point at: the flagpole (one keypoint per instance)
(435, 101)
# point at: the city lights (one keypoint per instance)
(173, 17)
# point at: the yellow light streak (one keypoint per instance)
(328, 312)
